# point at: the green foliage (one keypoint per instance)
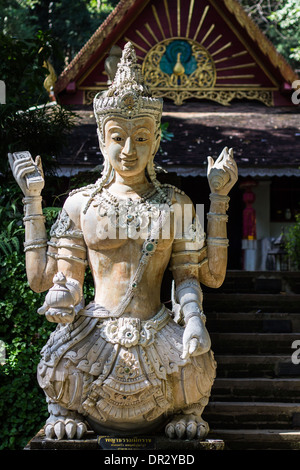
(23, 408)
(22, 67)
(42, 131)
(287, 20)
(166, 135)
(292, 243)
(70, 24)
(279, 20)
(22, 330)
(22, 404)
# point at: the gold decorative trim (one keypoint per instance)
(168, 17)
(158, 22)
(89, 95)
(71, 72)
(204, 76)
(201, 22)
(207, 35)
(223, 96)
(187, 34)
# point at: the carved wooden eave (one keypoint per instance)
(226, 55)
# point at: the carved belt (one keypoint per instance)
(129, 332)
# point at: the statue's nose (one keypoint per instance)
(129, 148)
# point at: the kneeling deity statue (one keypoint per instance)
(125, 364)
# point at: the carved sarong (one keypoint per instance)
(123, 370)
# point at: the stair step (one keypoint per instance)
(253, 342)
(285, 390)
(255, 321)
(218, 302)
(258, 439)
(249, 415)
(268, 366)
(260, 282)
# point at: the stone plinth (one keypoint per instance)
(112, 443)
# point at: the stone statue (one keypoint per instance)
(125, 364)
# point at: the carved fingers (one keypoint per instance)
(57, 315)
(222, 174)
(196, 339)
(28, 174)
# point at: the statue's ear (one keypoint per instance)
(157, 143)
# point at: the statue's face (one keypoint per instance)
(129, 144)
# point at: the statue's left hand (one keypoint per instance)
(222, 174)
(196, 339)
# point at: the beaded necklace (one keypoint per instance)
(134, 215)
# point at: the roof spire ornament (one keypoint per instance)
(127, 96)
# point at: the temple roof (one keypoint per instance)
(240, 61)
(266, 141)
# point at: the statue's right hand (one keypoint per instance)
(28, 173)
(58, 315)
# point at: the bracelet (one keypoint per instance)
(68, 258)
(34, 244)
(188, 284)
(184, 265)
(195, 314)
(27, 218)
(67, 246)
(185, 252)
(220, 198)
(217, 241)
(222, 217)
(30, 199)
(38, 241)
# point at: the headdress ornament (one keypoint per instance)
(128, 96)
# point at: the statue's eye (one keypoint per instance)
(141, 139)
(117, 138)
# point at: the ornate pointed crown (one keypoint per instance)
(128, 96)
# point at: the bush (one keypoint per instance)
(292, 243)
(23, 332)
(43, 131)
(23, 408)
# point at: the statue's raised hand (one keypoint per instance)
(222, 174)
(28, 173)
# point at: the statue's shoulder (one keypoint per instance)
(177, 195)
(76, 202)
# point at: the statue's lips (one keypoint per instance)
(129, 161)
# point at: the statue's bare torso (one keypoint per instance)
(113, 262)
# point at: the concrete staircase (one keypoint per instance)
(255, 401)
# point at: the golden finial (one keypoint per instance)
(178, 68)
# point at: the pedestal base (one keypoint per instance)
(115, 443)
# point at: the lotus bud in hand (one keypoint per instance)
(61, 299)
(219, 178)
(222, 171)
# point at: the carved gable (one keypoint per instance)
(188, 49)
